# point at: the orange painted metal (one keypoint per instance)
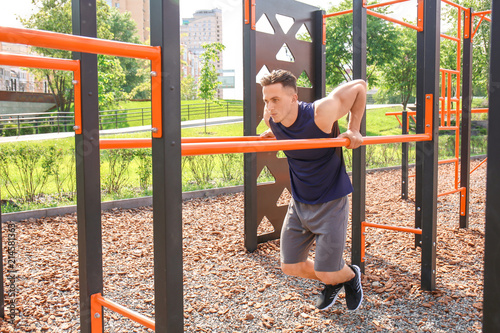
(74, 43)
(467, 23)
(450, 38)
(453, 4)
(451, 160)
(486, 12)
(77, 84)
(391, 227)
(448, 193)
(147, 142)
(253, 18)
(54, 64)
(138, 318)
(324, 30)
(95, 314)
(463, 198)
(348, 11)
(247, 12)
(252, 146)
(477, 166)
(38, 62)
(383, 4)
(393, 20)
(429, 106)
(420, 15)
(363, 241)
(156, 99)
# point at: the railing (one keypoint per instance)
(16, 124)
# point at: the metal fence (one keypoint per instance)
(55, 122)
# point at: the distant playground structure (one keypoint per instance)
(433, 113)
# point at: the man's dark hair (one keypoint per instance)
(286, 78)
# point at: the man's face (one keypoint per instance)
(279, 101)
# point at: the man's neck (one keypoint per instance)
(292, 116)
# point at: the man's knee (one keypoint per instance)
(292, 269)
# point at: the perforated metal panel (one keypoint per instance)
(264, 53)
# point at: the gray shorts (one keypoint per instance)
(326, 223)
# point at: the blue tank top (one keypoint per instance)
(317, 175)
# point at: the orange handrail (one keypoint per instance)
(96, 304)
(54, 64)
(383, 4)
(390, 227)
(454, 4)
(403, 23)
(54, 40)
(348, 11)
(477, 166)
(244, 146)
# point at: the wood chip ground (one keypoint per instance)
(227, 289)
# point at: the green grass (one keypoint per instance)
(217, 165)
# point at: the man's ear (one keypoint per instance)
(295, 98)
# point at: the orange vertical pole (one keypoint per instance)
(156, 98)
(77, 88)
(448, 104)
(443, 95)
(96, 314)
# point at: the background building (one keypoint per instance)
(139, 10)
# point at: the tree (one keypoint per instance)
(481, 44)
(124, 29)
(188, 88)
(208, 81)
(55, 15)
(380, 45)
(400, 75)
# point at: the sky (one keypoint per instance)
(231, 20)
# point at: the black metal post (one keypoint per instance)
(88, 167)
(466, 118)
(250, 126)
(420, 97)
(491, 304)
(427, 164)
(167, 175)
(359, 154)
(404, 159)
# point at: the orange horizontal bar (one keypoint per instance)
(260, 145)
(453, 4)
(54, 40)
(138, 318)
(348, 11)
(447, 193)
(19, 60)
(486, 12)
(147, 142)
(451, 38)
(394, 228)
(410, 113)
(477, 166)
(385, 4)
(453, 71)
(448, 128)
(370, 12)
(451, 160)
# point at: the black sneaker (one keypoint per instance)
(353, 290)
(328, 296)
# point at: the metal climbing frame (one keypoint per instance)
(428, 23)
(450, 93)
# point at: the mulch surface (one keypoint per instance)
(227, 289)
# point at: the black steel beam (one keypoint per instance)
(466, 118)
(319, 56)
(419, 129)
(167, 175)
(428, 151)
(491, 304)
(404, 158)
(250, 128)
(359, 154)
(88, 167)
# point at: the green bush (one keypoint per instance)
(116, 162)
(25, 169)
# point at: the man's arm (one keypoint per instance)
(267, 133)
(350, 97)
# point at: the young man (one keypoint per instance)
(319, 208)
